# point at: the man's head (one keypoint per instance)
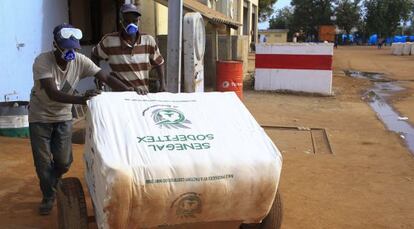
(67, 37)
(130, 18)
(66, 40)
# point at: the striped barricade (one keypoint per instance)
(301, 67)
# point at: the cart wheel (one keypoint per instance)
(273, 220)
(72, 213)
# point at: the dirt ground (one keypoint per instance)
(367, 183)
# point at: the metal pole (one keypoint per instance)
(230, 47)
(175, 22)
(216, 54)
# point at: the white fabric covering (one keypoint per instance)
(165, 159)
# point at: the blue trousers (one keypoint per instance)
(52, 153)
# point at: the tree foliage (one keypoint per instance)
(308, 15)
(384, 16)
(282, 19)
(266, 9)
(348, 14)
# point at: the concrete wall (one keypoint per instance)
(109, 22)
(227, 7)
(239, 51)
(27, 27)
(162, 19)
(304, 67)
(148, 16)
(80, 11)
(273, 37)
(248, 17)
(154, 20)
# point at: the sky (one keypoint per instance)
(279, 5)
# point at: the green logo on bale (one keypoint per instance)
(188, 205)
(170, 118)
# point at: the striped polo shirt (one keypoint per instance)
(131, 64)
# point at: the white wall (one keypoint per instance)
(29, 23)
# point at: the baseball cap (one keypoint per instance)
(130, 8)
(67, 43)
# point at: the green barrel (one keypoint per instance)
(14, 120)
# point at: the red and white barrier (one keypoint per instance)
(304, 67)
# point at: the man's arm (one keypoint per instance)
(98, 53)
(111, 81)
(95, 58)
(161, 77)
(54, 94)
(157, 61)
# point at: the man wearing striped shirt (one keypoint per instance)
(130, 53)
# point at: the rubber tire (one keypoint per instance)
(273, 220)
(71, 204)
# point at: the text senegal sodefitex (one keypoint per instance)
(177, 142)
(175, 138)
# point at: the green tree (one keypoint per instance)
(362, 30)
(282, 19)
(410, 26)
(348, 14)
(383, 17)
(308, 15)
(266, 9)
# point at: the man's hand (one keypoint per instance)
(111, 81)
(89, 94)
(161, 78)
(140, 91)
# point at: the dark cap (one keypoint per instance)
(130, 8)
(71, 43)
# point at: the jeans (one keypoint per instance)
(52, 153)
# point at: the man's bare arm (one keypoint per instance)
(54, 94)
(161, 77)
(111, 81)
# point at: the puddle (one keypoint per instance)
(377, 98)
(373, 76)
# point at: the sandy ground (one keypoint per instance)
(367, 183)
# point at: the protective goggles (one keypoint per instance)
(67, 33)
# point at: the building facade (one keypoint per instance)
(245, 12)
(26, 32)
(273, 36)
(231, 26)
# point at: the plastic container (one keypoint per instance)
(14, 119)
